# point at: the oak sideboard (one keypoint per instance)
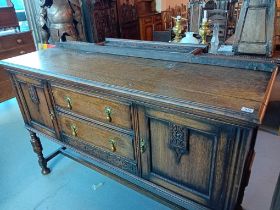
(177, 126)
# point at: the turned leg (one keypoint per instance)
(37, 148)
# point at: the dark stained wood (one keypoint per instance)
(175, 129)
(37, 148)
(8, 18)
(149, 23)
(35, 100)
(128, 19)
(189, 53)
(208, 142)
(103, 19)
(13, 45)
(223, 90)
(15, 40)
(94, 107)
(98, 136)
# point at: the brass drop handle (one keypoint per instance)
(108, 112)
(113, 145)
(142, 145)
(52, 115)
(69, 102)
(74, 130)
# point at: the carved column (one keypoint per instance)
(37, 148)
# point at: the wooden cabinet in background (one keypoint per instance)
(13, 45)
(148, 24)
(8, 18)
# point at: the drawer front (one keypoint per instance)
(115, 113)
(106, 139)
(16, 40)
(20, 50)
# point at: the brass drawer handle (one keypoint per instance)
(74, 130)
(52, 115)
(19, 41)
(142, 145)
(22, 52)
(69, 102)
(113, 145)
(108, 112)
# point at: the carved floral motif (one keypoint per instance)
(33, 94)
(178, 140)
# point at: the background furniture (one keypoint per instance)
(167, 137)
(8, 18)
(11, 44)
(128, 21)
(255, 29)
(149, 23)
(220, 17)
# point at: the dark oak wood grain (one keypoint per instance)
(109, 140)
(174, 129)
(225, 90)
(94, 107)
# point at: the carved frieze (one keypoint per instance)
(110, 158)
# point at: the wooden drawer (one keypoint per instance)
(106, 139)
(20, 50)
(16, 40)
(103, 110)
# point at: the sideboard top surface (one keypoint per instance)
(222, 89)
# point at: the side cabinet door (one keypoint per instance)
(186, 156)
(35, 103)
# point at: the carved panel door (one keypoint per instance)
(35, 103)
(187, 156)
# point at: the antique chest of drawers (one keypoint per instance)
(182, 132)
(13, 45)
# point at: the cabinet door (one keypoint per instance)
(186, 156)
(146, 28)
(35, 103)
